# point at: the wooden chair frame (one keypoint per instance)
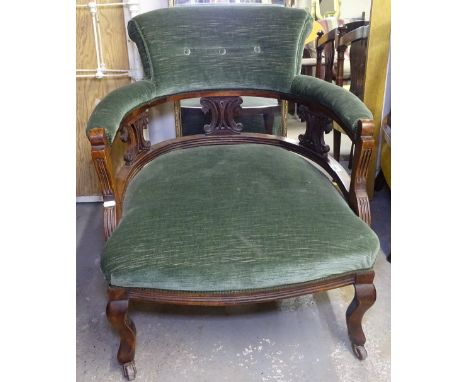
(118, 163)
(327, 44)
(352, 35)
(353, 39)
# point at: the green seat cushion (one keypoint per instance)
(234, 217)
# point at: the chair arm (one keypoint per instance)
(348, 108)
(110, 112)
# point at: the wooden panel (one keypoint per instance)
(90, 90)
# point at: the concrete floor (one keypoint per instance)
(294, 340)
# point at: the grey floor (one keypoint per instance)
(294, 340)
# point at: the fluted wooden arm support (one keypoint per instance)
(100, 152)
(132, 134)
(358, 198)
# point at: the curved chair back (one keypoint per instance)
(356, 40)
(221, 47)
(325, 55)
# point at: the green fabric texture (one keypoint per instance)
(117, 104)
(220, 47)
(234, 217)
(194, 48)
(343, 103)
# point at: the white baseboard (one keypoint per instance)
(89, 199)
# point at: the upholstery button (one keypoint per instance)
(187, 51)
(222, 51)
(257, 49)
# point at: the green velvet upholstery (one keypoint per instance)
(349, 108)
(194, 48)
(221, 47)
(117, 104)
(234, 217)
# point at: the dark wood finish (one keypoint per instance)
(345, 32)
(307, 69)
(223, 110)
(234, 298)
(319, 50)
(337, 74)
(132, 134)
(336, 144)
(340, 50)
(268, 120)
(325, 46)
(316, 125)
(356, 38)
(364, 298)
(117, 314)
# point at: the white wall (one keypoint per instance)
(351, 9)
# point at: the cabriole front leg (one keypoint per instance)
(364, 298)
(117, 314)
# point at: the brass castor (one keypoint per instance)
(360, 352)
(129, 370)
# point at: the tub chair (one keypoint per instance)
(229, 216)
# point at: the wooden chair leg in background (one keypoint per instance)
(336, 144)
(364, 298)
(268, 119)
(117, 314)
(351, 154)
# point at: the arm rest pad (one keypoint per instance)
(117, 104)
(109, 113)
(346, 106)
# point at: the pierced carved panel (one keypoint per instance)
(316, 125)
(133, 135)
(223, 110)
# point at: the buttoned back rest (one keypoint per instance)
(221, 47)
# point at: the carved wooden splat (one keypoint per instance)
(223, 110)
(316, 125)
(132, 134)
